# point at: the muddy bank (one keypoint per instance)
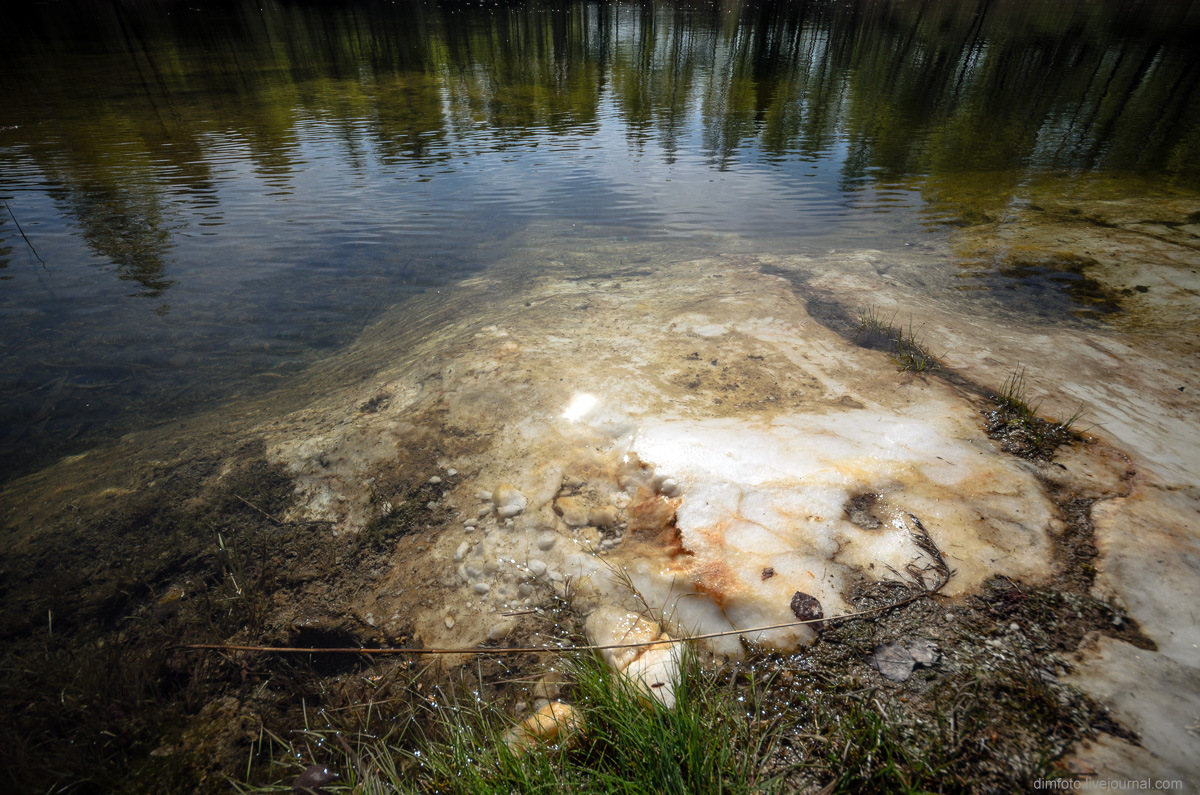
(443, 483)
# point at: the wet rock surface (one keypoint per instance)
(896, 660)
(465, 508)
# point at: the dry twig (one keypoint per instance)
(920, 537)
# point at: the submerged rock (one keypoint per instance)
(895, 661)
(554, 722)
(508, 500)
(573, 510)
(653, 669)
(313, 779)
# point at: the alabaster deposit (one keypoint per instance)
(697, 445)
(689, 433)
(746, 462)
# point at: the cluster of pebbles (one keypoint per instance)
(511, 547)
(485, 558)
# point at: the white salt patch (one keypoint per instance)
(774, 495)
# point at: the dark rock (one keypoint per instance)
(860, 511)
(312, 779)
(807, 608)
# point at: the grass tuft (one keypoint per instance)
(712, 740)
(902, 346)
(1016, 425)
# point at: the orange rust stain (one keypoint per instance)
(715, 580)
(651, 512)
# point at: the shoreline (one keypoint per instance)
(346, 474)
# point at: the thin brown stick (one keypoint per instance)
(278, 522)
(545, 649)
(920, 537)
(23, 235)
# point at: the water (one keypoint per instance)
(219, 196)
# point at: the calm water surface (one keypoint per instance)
(201, 201)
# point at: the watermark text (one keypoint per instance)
(1108, 785)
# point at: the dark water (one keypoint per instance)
(219, 194)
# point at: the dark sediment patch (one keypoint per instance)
(1051, 286)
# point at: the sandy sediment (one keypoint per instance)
(704, 441)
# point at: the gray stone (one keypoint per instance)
(895, 661)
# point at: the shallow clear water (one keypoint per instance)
(218, 197)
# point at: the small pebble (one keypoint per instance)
(435, 480)
(481, 588)
(462, 550)
(1014, 626)
(313, 778)
(486, 496)
(537, 567)
(449, 622)
(499, 630)
(509, 501)
(451, 472)
(546, 541)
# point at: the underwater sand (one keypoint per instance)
(600, 414)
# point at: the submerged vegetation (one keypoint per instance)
(990, 716)
(902, 346)
(710, 741)
(1015, 423)
(107, 700)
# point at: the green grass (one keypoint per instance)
(1013, 397)
(1016, 423)
(902, 346)
(757, 727)
(714, 739)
